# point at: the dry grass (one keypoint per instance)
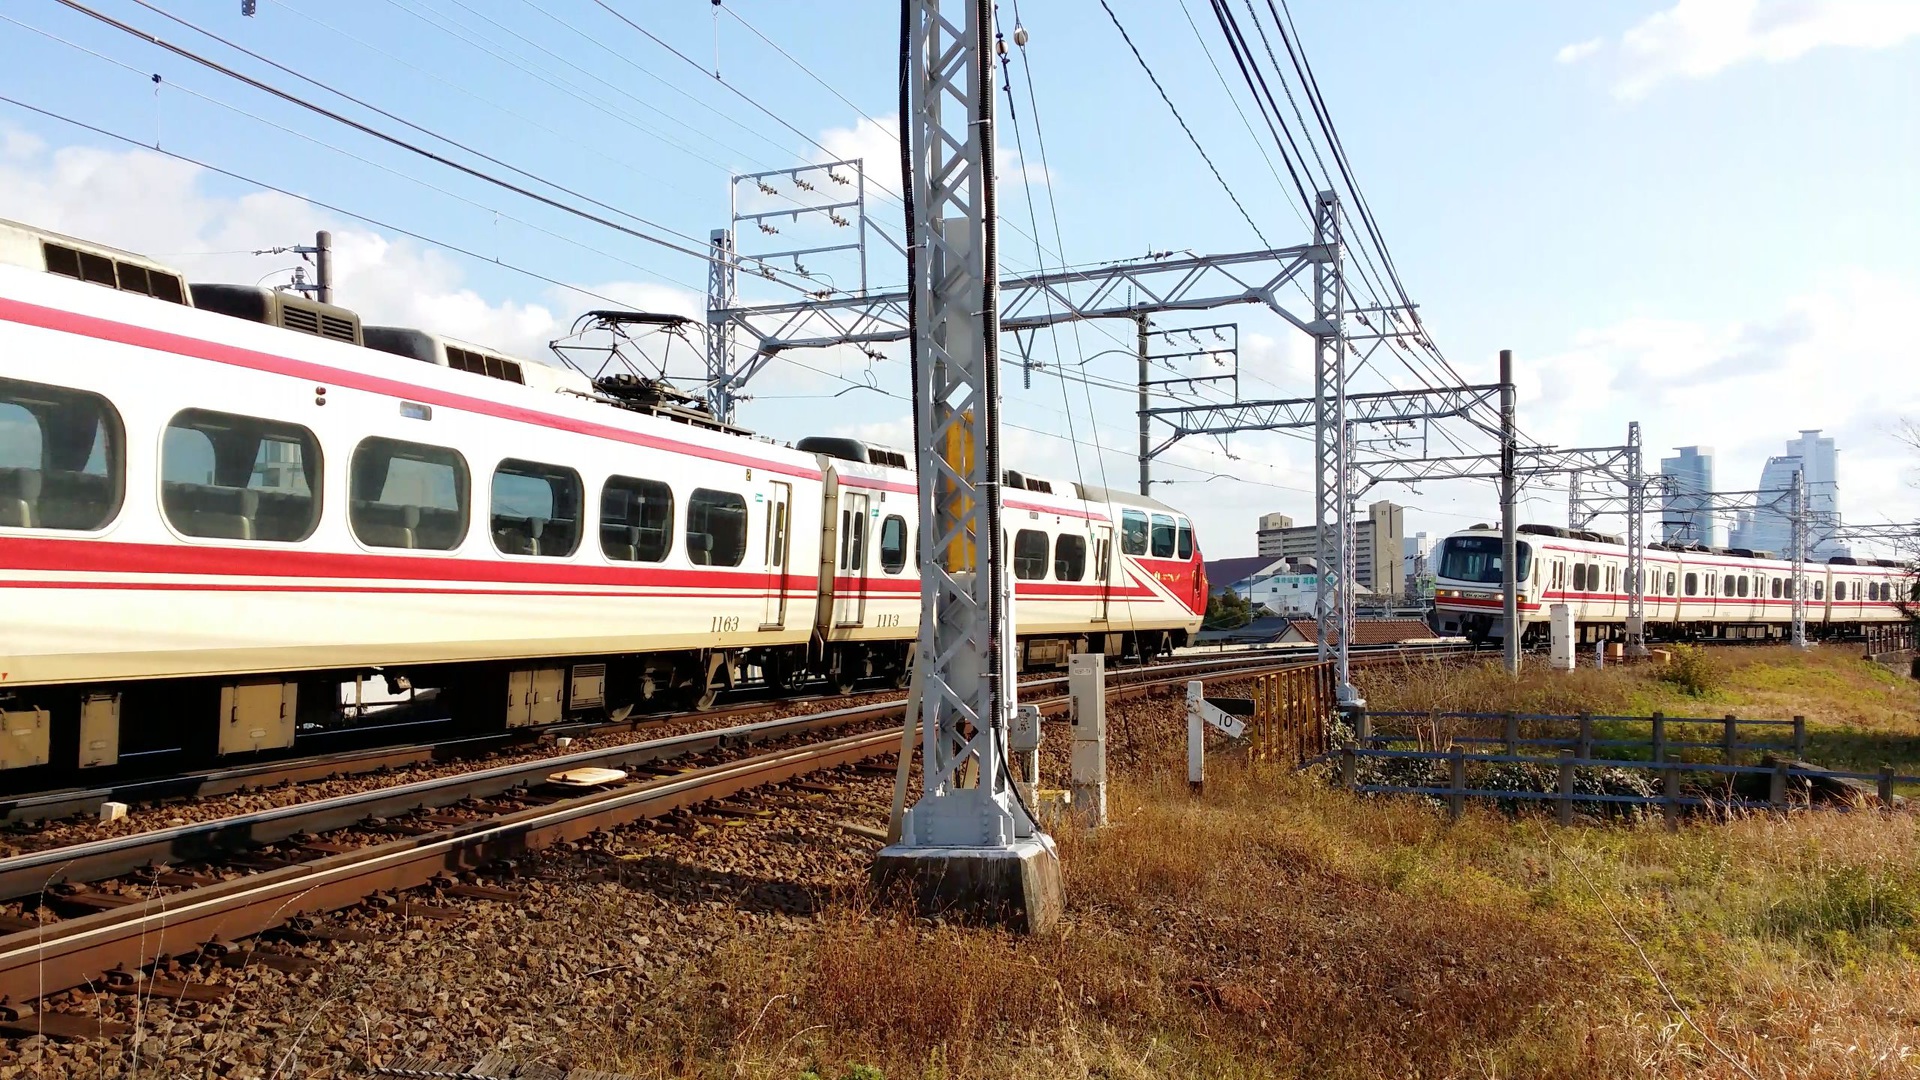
(1859, 714)
(1277, 927)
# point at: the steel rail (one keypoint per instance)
(73, 952)
(232, 779)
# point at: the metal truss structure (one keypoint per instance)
(966, 655)
(831, 173)
(1122, 290)
(1386, 407)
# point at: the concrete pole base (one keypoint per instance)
(1018, 886)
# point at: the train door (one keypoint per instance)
(850, 590)
(1103, 569)
(779, 498)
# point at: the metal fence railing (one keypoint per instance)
(1582, 732)
(1671, 799)
(1429, 753)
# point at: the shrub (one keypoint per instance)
(1693, 670)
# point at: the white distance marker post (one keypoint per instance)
(1196, 736)
(1087, 695)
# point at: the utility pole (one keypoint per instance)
(1800, 530)
(322, 255)
(323, 266)
(722, 283)
(969, 844)
(1141, 324)
(1576, 516)
(1509, 579)
(1636, 643)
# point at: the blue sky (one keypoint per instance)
(1695, 213)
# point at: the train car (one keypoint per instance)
(220, 504)
(1075, 589)
(1690, 591)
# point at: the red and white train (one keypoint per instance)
(1690, 591)
(218, 504)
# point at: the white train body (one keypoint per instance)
(1689, 592)
(185, 495)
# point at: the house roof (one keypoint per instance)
(1367, 631)
(1266, 629)
(1223, 574)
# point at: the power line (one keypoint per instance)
(394, 140)
(308, 199)
(1191, 137)
(350, 154)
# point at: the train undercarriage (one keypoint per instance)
(112, 732)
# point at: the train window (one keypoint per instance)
(1070, 557)
(1778, 593)
(1669, 583)
(1819, 590)
(62, 458)
(239, 477)
(536, 509)
(1727, 587)
(1579, 577)
(1163, 537)
(1029, 554)
(1839, 590)
(1786, 589)
(407, 495)
(1133, 532)
(1184, 549)
(1693, 584)
(636, 519)
(1593, 577)
(893, 544)
(717, 528)
(1740, 587)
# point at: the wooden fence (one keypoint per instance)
(1293, 713)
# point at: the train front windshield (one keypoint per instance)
(1477, 559)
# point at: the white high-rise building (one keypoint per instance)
(1770, 526)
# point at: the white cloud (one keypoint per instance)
(1840, 358)
(1573, 54)
(159, 206)
(1695, 39)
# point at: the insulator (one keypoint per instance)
(768, 229)
(837, 178)
(999, 45)
(1020, 35)
(766, 188)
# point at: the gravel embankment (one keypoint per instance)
(568, 976)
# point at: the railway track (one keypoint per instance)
(457, 826)
(333, 765)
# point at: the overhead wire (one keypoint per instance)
(886, 192)
(184, 89)
(402, 61)
(705, 256)
(308, 199)
(1191, 137)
